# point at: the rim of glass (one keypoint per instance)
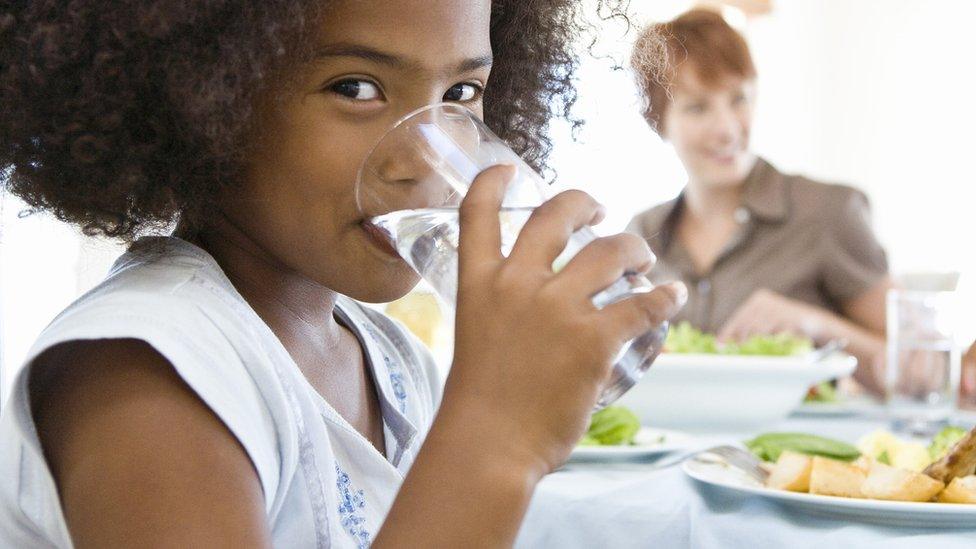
(396, 125)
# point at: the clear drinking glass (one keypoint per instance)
(410, 187)
(923, 360)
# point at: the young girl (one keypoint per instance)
(222, 386)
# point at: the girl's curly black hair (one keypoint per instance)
(123, 116)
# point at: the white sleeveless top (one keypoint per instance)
(325, 485)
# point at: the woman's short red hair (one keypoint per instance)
(698, 37)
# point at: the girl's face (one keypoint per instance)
(709, 127)
(376, 61)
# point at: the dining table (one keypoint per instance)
(654, 503)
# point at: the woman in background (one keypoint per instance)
(760, 251)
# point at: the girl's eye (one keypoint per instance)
(357, 90)
(739, 99)
(462, 92)
(695, 108)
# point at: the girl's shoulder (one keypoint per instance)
(172, 296)
(161, 288)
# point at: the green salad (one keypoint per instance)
(944, 440)
(611, 426)
(685, 338)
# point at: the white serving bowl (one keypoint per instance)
(712, 393)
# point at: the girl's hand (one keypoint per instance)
(532, 352)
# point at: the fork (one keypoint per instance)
(828, 349)
(740, 459)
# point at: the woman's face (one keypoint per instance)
(376, 62)
(709, 127)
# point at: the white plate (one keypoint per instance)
(897, 513)
(648, 442)
(842, 408)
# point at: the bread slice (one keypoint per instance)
(960, 490)
(892, 483)
(791, 472)
(830, 477)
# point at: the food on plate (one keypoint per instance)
(769, 446)
(883, 466)
(830, 477)
(891, 483)
(960, 490)
(944, 441)
(960, 461)
(885, 447)
(611, 426)
(791, 472)
(822, 392)
(685, 338)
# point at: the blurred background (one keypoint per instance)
(871, 93)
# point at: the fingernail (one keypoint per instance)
(680, 291)
(600, 215)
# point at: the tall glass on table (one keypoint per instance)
(923, 360)
(411, 185)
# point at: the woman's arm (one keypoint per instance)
(139, 460)
(865, 333)
(868, 310)
(856, 276)
(968, 382)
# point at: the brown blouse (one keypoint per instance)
(806, 240)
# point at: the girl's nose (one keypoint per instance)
(403, 164)
(423, 162)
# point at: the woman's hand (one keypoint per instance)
(767, 312)
(532, 353)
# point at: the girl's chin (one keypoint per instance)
(390, 288)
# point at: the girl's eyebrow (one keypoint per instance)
(342, 49)
(475, 63)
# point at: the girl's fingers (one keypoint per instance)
(603, 261)
(480, 239)
(547, 231)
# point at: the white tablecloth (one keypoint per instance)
(631, 505)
